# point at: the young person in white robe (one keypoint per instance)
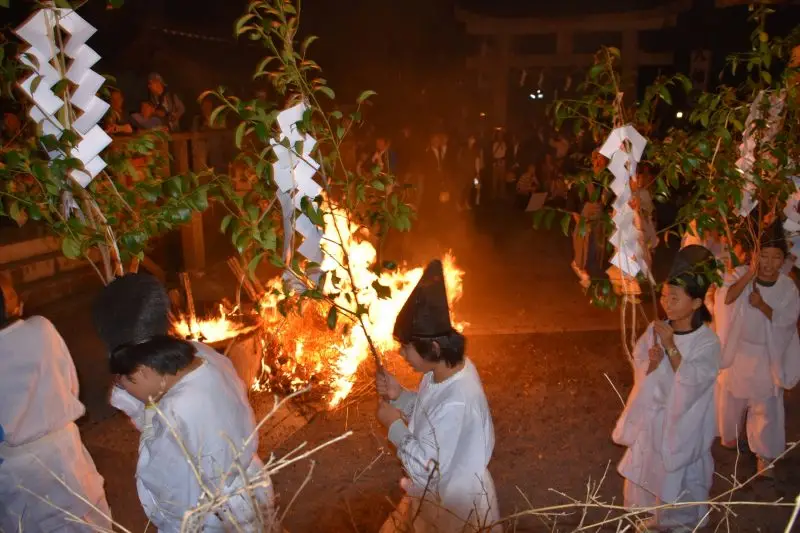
(443, 432)
(38, 408)
(668, 424)
(199, 445)
(757, 312)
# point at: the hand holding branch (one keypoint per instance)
(388, 386)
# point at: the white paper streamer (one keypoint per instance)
(294, 174)
(748, 146)
(627, 239)
(39, 33)
(791, 225)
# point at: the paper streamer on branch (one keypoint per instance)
(624, 148)
(294, 174)
(791, 225)
(752, 138)
(39, 32)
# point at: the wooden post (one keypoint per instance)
(192, 242)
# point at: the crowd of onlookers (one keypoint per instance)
(162, 109)
(464, 171)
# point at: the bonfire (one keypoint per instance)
(299, 349)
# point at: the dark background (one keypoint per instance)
(411, 52)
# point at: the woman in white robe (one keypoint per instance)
(668, 424)
(38, 408)
(200, 443)
(757, 312)
(447, 443)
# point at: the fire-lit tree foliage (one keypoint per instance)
(697, 166)
(116, 218)
(373, 203)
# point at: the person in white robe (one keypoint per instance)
(757, 312)
(668, 424)
(443, 432)
(197, 453)
(42, 456)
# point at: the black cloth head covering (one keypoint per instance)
(774, 237)
(425, 315)
(131, 310)
(691, 269)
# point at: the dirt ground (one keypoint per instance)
(547, 359)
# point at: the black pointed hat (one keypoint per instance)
(692, 268)
(131, 309)
(425, 315)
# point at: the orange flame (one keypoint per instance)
(208, 330)
(307, 346)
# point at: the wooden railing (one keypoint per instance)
(195, 152)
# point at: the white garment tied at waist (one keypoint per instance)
(750, 375)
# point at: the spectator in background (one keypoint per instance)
(117, 120)
(384, 157)
(527, 184)
(470, 164)
(435, 193)
(404, 148)
(560, 146)
(515, 155)
(202, 122)
(167, 105)
(146, 118)
(556, 187)
(499, 150)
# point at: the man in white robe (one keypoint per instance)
(668, 424)
(757, 312)
(202, 446)
(41, 443)
(446, 446)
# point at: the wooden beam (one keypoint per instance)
(556, 61)
(652, 19)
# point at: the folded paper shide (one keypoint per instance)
(39, 33)
(294, 174)
(624, 148)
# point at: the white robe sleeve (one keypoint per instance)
(635, 415)
(439, 432)
(782, 338)
(129, 405)
(726, 317)
(405, 402)
(166, 482)
(690, 401)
